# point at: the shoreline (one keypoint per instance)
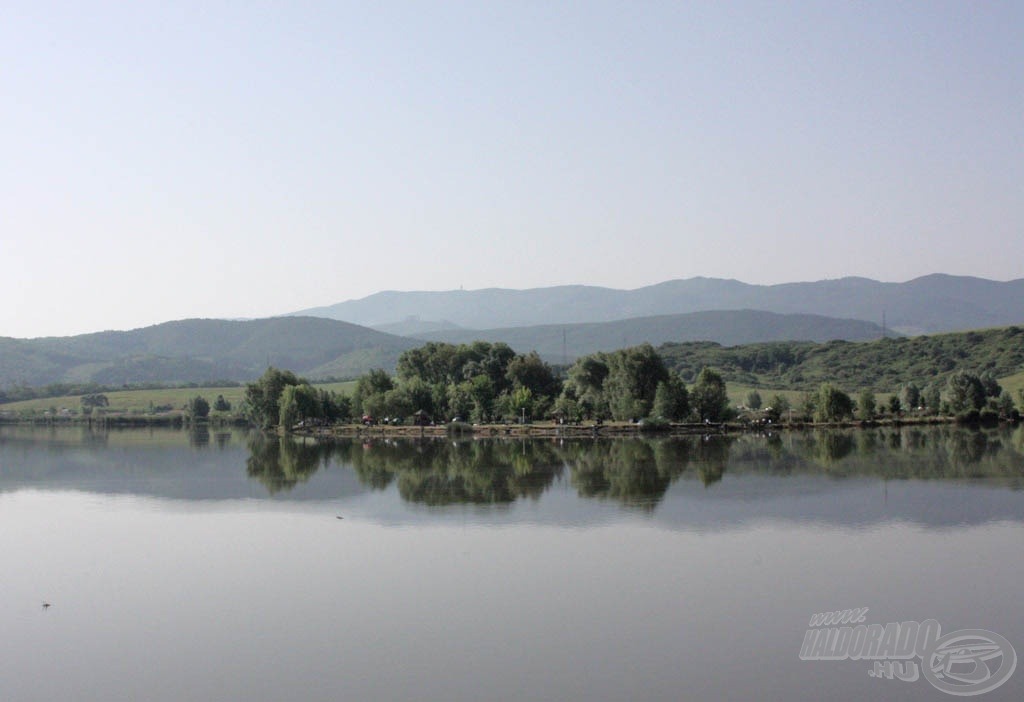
(533, 430)
(544, 430)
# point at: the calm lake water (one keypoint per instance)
(214, 566)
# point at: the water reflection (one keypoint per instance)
(635, 473)
(281, 464)
(597, 569)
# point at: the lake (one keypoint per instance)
(223, 565)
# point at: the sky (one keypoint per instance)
(164, 160)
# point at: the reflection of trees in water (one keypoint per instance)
(828, 448)
(199, 436)
(95, 437)
(281, 463)
(635, 472)
(482, 472)
(638, 472)
(712, 457)
(941, 452)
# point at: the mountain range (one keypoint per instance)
(933, 303)
(561, 323)
(565, 342)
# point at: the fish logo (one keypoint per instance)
(968, 662)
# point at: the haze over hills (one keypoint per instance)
(200, 350)
(561, 323)
(556, 342)
(204, 350)
(933, 303)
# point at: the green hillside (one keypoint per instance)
(140, 401)
(882, 365)
(199, 350)
(729, 327)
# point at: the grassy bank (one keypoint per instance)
(134, 402)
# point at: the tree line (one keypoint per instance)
(966, 395)
(486, 382)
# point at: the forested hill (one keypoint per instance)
(882, 365)
(558, 342)
(200, 350)
(934, 303)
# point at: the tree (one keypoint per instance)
(299, 403)
(932, 398)
(910, 397)
(520, 403)
(671, 399)
(965, 391)
(95, 400)
(376, 382)
(832, 404)
(895, 406)
(990, 385)
(398, 403)
(709, 398)
(420, 394)
(777, 408)
(288, 408)
(809, 405)
(567, 407)
(1005, 406)
(481, 390)
(866, 405)
(633, 377)
(221, 405)
(585, 385)
(460, 401)
(198, 407)
(530, 371)
(754, 400)
(336, 407)
(262, 397)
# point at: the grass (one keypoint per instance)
(140, 401)
(738, 395)
(1013, 384)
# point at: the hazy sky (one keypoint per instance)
(242, 159)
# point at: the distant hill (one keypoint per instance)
(199, 350)
(883, 364)
(414, 326)
(729, 328)
(933, 303)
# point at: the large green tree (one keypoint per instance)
(368, 396)
(832, 404)
(633, 377)
(965, 391)
(709, 398)
(530, 371)
(198, 407)
(866, 405)
(584, 388)
(262, 397)
(671, 399)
